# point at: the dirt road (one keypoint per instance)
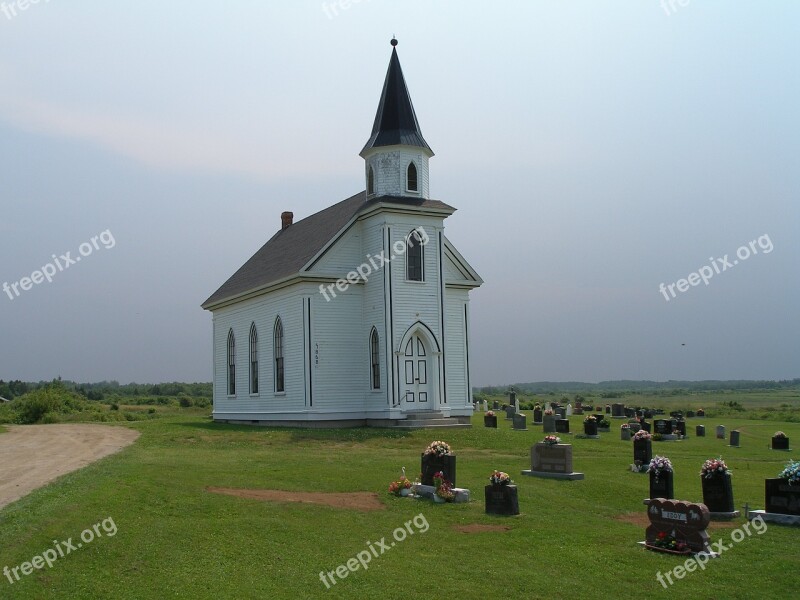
(33, 455)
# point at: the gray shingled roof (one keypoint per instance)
(291, 248)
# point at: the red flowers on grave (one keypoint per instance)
(444, 489)
(666, 541)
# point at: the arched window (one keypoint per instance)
(411, 178)
(253, 359)
(371, 181)
(414, 257)
(375, 359)
(231, 364)
(279, 382)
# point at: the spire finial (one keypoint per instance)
(394, 41)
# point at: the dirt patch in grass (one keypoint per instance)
(363, 501)
(641, 519)
(478, 528)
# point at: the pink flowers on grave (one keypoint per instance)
(658, 465)
(642, 435)
(551, 440)
(500, 478)
(438, 448)
(714, 467)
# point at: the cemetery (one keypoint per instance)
(634, 504)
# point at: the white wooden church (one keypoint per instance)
(358, 314)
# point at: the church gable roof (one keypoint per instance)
(289, 251)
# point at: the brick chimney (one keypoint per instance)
(286, 219)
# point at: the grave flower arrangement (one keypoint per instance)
(444, 489)
(604, 423)
(549, 412)
(551, 440)
(714, 467)
(659, 465)
(666, 541)
(624, 426)
(397, 487)
(438, 448)
(791, 473)
(779, 434)
(642, 435)
(489, 413)
(657, 437)
(589, 419)
(500, 478)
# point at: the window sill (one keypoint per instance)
(231, 396)
(280, 393)
(376, 390)
(256, 395)
(414, 281)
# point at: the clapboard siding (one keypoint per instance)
(373, 311)
(456, 348)
(263, 311)
(342, 375)
(344, 256)
(412, 300)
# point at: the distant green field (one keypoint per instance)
(177, 540)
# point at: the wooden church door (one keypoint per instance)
(416, 375)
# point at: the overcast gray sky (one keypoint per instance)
(595, 149)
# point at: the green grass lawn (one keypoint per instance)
(176, 540)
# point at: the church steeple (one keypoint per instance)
(396, 154)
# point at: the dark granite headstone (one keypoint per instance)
(735, 438)
(663, 486)
(617, 410)
(700, 431)
(562, 425)
(490, 421)
(590, 427)
(520, 422)
(642, 451)
(432, 464)
(681, 427)
(781, 497)
(661, 426)
(718, 493)
(501, 499)
(780, 443)
(549, 423)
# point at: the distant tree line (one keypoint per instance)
(98, 391)
(615, 389)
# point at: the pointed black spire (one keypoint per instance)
(395, 121)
